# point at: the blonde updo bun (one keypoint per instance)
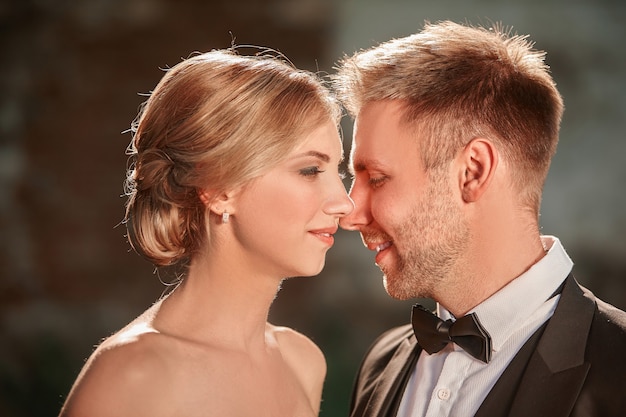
(214, 121)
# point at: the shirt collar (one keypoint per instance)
(506, 310)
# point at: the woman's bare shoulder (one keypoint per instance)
(305, 359)
(292, 341)
(121, 375)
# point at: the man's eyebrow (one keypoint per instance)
(364, 165)
(354, 167)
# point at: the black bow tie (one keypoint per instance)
(433, 334)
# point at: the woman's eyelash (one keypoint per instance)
(310, 171)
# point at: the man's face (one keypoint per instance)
(410, 217)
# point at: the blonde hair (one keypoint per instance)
(215, 121)
(459, 82)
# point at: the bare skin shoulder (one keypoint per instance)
(305, 359)
(142, 372)
(123, 376)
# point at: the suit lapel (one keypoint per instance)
(498, 401)
(387, 394)
(557, 369)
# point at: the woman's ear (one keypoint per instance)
(478, 163)
(217, 202)
(205, 196)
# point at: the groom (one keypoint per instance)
(455, 128)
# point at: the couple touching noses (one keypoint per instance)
(234, 178)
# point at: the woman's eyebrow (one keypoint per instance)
(319, 155)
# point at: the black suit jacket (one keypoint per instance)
(575, 365)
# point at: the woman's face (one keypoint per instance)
(285, 219)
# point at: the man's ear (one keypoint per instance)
(478, 162)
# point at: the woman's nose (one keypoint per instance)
(341, 204)
(359, 216)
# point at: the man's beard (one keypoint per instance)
(431, 243)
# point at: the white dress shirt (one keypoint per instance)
(453, 383)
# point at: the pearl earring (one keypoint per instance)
(225, 217)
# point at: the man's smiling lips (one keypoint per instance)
(380, 247)
(377, 245)
(383, 246)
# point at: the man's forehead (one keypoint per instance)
(365, 156)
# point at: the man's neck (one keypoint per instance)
(488, 269)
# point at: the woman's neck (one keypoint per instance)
(219, 302)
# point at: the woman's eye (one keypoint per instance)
(310, 171)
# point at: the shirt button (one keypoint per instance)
(443, 394)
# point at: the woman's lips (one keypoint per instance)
(325, 235)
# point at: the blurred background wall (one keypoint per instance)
(70, 77)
